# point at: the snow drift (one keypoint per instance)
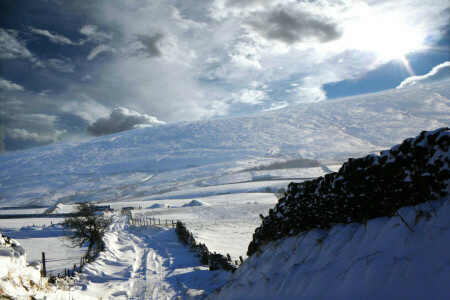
(195, 203)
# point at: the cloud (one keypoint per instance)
(23, 134)
(121, 119)
(94, 35)
(152, 43)
(11, 46)
(10, 86)
(2, 138)
(97, 50)
(251, 97)
(52, 36)
(294, 26)
(61, 64)
(438, 73)
(85, 108)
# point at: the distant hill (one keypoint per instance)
(149, 161)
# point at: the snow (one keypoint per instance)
(195, 203)
(165, 169)
(50, 240)
(188, 155)
(224, 223)
(381, 259)
(145, 263)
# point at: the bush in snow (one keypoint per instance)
(374, 186)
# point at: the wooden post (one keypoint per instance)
(74, 269)
(173, 224)
(44, 270)
(166, 222)
(81, 261)
(241, 259)
(236, 263)
(228, 257)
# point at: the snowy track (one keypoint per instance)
(145, 263)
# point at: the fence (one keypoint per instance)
(213, 260)
(70, 272)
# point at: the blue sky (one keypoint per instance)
(74, 69)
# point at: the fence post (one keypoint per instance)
(44, 270)
(228, 257)
(74, 269)
(241, 259)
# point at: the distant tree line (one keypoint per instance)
(290, 164)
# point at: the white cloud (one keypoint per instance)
(10, 86)
(61, 64)
(52, 36)
(122, 119)
(251, 97)
(85, 108)
(438, 73)
(11, 46)
(97, 50)
(93, 34)
(23, 134)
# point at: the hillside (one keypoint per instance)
(376, 229)
(153, 161)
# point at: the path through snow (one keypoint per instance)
(145, 263)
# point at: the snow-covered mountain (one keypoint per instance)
(152, 161)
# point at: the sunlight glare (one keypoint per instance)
(387, 37)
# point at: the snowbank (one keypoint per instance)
(17, 279)
(195, 203)
(382, 259)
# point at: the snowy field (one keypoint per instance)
(49, 239)
(182, 156)
(225, 223)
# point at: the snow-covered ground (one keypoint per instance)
(382, 259)
(47, 239)
(164, 169)
(138, 263)
(154, 161)
(224, 223)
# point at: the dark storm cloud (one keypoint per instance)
(294, 26)
(152, 42)
(121, 119)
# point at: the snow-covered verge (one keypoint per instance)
(386, 258)
(17, 279)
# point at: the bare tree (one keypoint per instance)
(86, 226)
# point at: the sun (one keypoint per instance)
(388, 37)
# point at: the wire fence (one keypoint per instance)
(213, 260)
